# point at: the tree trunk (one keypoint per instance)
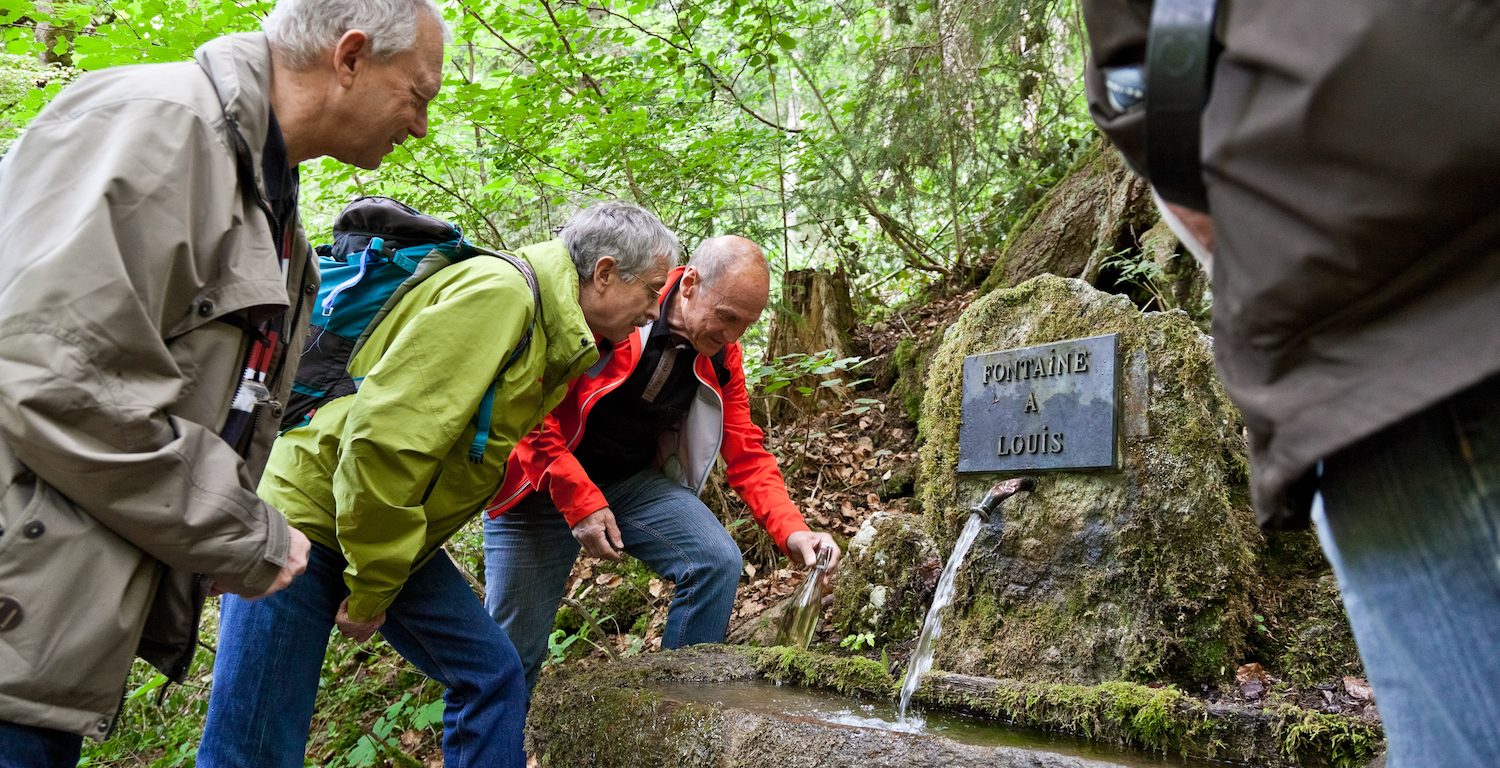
(816, 315)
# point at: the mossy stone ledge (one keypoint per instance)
(609, 715)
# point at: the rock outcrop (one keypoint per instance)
(1152, 572)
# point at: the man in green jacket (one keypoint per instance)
(379, 479)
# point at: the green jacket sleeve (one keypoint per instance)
(455, 331)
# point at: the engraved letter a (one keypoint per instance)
(1031, 406)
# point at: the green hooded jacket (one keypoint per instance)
(383, 475)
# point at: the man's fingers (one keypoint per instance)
(614, 533)
(833, 559)
(596, 545)
(599, 535)
(297, 552)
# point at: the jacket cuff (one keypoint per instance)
(578, 511)
(263, 572)
(363, 607)
(781, 524)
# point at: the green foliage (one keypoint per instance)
(378, 743)
(857, 641)
(26, 84)
(1137, 274)
(863, 134)
(559, 644)
(784, 371)
(368, 697)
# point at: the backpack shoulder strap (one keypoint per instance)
(487, 404)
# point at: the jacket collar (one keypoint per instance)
(570, 344)
(240, 67)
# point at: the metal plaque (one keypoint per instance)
(1051, 406)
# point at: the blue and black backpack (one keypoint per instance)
(382, 249)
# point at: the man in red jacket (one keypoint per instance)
(659, 409)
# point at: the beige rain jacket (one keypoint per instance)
(124, 238)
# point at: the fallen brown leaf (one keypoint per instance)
(1248, 672)
(1359, 688)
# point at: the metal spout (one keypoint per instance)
(989, 508)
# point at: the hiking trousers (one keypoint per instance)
(529, 552)
(270, 659)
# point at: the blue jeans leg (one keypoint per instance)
(677, 535)
(271, 654)
(27, 746)
(528, 553)
(266, 669)
(1410, 520)
(441, 628)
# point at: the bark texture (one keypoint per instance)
(816, 314)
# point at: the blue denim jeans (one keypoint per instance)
(529, 551)
(27, 746)
(1410, 520)
(271, 652)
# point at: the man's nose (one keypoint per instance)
(419, 126)
(653, 312)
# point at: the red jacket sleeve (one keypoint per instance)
(551, 468)
(752, 470)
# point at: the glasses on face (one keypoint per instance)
(655, 292)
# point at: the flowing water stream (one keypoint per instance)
(921, 660)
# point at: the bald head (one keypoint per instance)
(732, 257)
(722, 293)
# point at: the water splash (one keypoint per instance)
(921, 661)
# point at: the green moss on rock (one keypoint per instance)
(608, 715)
(1152, 572)
(847, 674)
(886, 579)
(1313, 738)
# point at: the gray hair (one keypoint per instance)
(717, 255)
(624, 231)
(303, 30)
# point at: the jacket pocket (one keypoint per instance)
(76, 594)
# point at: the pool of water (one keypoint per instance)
(769, 698)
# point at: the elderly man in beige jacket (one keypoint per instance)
(154, 291)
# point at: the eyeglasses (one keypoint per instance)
(655, 292)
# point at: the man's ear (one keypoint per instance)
(349, 55)
(687, 285)
(606, 271)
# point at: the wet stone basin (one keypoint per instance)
(711, 706)
(769, 699)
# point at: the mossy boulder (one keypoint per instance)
(1096, 210)
(1147, 573)
(886, 578)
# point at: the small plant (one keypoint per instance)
(1141, 272)
(381, 740)
(786, 369)
(860, 406)
(858, 641)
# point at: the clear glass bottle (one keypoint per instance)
(800, 619)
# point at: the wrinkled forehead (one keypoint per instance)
(742, 295)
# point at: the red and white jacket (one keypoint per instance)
(717, 423)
